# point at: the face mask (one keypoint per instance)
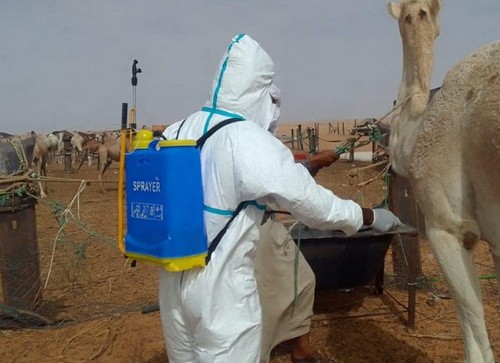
(276, 97)
(274, 121)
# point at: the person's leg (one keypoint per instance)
(304, 352)
(179, 341)
(284, 315)
(210, 315)
(227, 318)
(302, 347)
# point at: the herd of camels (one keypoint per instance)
(448, 148)
(106, 146)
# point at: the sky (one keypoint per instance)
(66, 64)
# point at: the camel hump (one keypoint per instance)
(478, 68)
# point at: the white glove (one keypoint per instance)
(384, 220)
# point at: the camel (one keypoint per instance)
(449, 150)
(44, 145)
(108, 151)
(90, 148)
(78, 142)
(77, 147)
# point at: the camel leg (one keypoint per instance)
(457, 265)
(105, 166)
(74, 159)
(44, 172)
(496, 262)
(488, 215)
(81, 161)
(40, 185)
(490, 229)
(41, 169)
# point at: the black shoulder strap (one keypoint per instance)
(201, 141)
(179, 129)
(213, 245)
(199, 144)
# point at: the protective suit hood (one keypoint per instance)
(241, 85)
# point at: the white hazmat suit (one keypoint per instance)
(213, 314)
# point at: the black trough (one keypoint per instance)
(344, 262)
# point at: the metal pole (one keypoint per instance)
(121, 242)
(133, 121)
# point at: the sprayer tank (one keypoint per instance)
(165, 205)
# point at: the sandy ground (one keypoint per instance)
(94, 298)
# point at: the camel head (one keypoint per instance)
(418, 21)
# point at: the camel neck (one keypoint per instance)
(415, 85)
(413, 96)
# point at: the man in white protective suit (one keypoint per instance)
(213, 314)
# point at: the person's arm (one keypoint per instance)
(320, 160)
(379, 219)
(276, 178)
(367, 216)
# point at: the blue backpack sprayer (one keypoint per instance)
(164, 199)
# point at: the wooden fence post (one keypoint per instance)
(406, 259)
(310, 139)
(316, 136)
(299, 136)
(67, 153)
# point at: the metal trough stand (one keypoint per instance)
(343, 262)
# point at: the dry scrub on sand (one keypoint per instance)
(96, 298)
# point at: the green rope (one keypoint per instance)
(487, 277)
(480, 277)
(57, 209)
(375, 134)
(296, 272)
(81, 250)
(339, 150)
(387, 181)
(18, 147)
(8, 195)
